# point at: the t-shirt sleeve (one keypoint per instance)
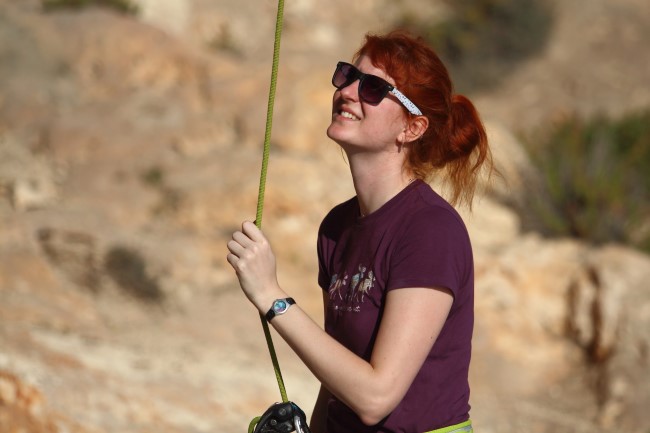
(433, 251)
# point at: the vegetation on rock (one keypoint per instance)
(594, 179)
(123, 6)
(484, 39)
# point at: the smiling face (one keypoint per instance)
(357, 125)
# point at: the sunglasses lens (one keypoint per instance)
(373, 89)
(344, 75)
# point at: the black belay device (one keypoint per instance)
(282, 418)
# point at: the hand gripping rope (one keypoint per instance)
(282, 417)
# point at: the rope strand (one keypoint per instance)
(265, 164)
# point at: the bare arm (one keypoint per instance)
(410, 325)
(411, 322)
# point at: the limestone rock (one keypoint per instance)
(137, 141)
(22, 407)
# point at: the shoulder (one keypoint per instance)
(432, 246)
(432, 227)
(433, 213)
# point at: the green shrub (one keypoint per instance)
(128, 269)
(594, 181)
(485, 39)
(123, 6)
(154, 177)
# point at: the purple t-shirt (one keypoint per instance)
(416, 239)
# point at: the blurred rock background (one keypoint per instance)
(130, 147)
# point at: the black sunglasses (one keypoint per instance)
(372, 89)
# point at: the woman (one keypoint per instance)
(396, 264)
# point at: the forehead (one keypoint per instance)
(364, 64)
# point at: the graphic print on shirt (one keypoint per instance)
(349, 296)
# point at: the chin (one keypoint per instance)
(336, 132)
(331, 132)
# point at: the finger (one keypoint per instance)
(232, 259)
(235, 248)
(252, 231)
(242, 239)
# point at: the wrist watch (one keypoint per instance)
(280, 306)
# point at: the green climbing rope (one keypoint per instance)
(265, 164)
(253, 423)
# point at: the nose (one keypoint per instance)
(351, 91)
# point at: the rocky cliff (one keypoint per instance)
(130, 148)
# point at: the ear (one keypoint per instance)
(414, 129)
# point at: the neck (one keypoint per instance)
(377, 180)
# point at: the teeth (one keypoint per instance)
(349, 115)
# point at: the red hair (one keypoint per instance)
(455, 139)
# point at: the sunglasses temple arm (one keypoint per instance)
(410, 106)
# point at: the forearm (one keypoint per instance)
(358, 384)
(411, 322)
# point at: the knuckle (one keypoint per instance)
(241, 266)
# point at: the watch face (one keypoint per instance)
(280, 306)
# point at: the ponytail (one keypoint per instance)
(467, 150)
